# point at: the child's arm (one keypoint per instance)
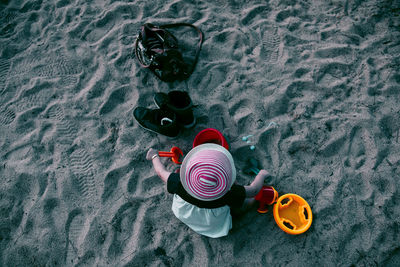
(152, 155)
(255, 187)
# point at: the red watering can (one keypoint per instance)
(267, 196)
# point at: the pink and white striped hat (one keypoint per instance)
(208, 172)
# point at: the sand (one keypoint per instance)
(76, 190)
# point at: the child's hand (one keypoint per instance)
(264, 173)
(151, 153)
(255, 187)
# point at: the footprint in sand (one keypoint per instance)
(334, 52)
(219, 118)
(35, 97)
(8, 26)
(132, 183)
(49, 206)
(157, 250)
(81, 165)
(44, 64)
(117, 97)
(122, 227)
(55, 112)
(7, 16)
(270, 41)
(242, 112)
(112, 179)
(362, 150)
(73, 231)
(67, 130)
(253, 13)
(68, 81)
(270, 44)
(124, 63)
(57, 65)
(4, 68)
(332, 74)
(7, 116)
(333, 145)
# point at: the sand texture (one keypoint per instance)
(316, 84)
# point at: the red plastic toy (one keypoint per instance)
(210, 135)
(174, 154)
(267, 196)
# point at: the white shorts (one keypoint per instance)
(209, 222)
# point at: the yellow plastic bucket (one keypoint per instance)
(292, 214)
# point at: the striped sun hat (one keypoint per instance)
(208, 172)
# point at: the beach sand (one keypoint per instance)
(76, 189)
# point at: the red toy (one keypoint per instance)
(174, 154)
(267, 196)
(210, 135)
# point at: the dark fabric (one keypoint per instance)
(157, 49)
(234, 198)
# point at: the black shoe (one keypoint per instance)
(178, 102)
(157, 120)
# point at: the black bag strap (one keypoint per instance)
(199, 44)
(174, 25)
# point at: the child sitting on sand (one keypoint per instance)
(205, 189)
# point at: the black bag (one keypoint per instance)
(158, 50)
